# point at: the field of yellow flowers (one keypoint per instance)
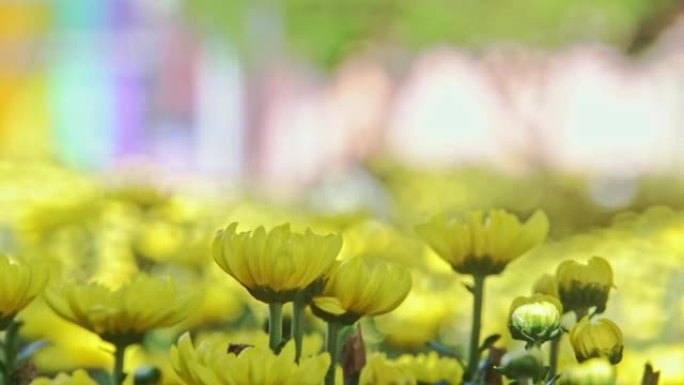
(455, 277)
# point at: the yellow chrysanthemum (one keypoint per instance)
(597, 338)
(432, 369)
(596, 371)
(381, 371)
(581, 286)
(20, 283)
(535, 319)
(483, 243)
(358, 288)
(79, 377)
(274, 266)
(125, 313)
(214, 363)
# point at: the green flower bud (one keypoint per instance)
(535, 319)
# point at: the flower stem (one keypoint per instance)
(9, 352)
(474, 353)
(331, 346)
(298, 307)
(553, 356)
(275, 325)
(118, 374)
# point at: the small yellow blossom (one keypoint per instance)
(274, 266)
(597, 338)
(79, 377)
(432, 369)
(20, 283)
(546, 284)
(483, 243)
(581, 286)
(358, 288)
(381, 371)
(125, 313)
(211, 363)
(595, 371)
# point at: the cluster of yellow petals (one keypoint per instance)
(279, 260)
(358, 287)
(79, 377)
(211, 363)
(600, 338)
(142, 304)
(20, 283)
(480, 243)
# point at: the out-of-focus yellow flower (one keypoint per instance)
(432, 369)
(274, 266)
(79, 377)
(535, 319)
(216, 364)
(358, 288)
(546, 284)
(416, 321)
(596, 371)
(20, 283)
(581, 286)
(483, 243)
(381, 371)
(597, 338)
(125, 313)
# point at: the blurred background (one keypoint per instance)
(334, 112)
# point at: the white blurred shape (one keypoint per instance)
(220, 112)
(445, 112)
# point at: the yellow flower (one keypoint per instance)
(274, 266)
(79, 377)
(596, 371)
(20, 283)
(381, 371)
(357, 288)
(123, 314)
(535, 319)
(432, 369)
(581, 286)
(212, 364)
(596, 338)
(483, 243)
(546, 284)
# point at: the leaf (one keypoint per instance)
(553, 380)
(31, 349)
(442, 350)
(489, 342)
(469, 287)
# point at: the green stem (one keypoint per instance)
(474, 352)
(118, 374)
(9, 352)
(553, 356)
(331, 346)
(298, 307)
(275, 325)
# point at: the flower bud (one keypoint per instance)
(581, 286)
(598, 338)
(523, 365)
(596, 371)
(535, 319)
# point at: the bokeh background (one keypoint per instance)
(361, 116)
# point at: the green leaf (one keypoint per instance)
(489, 342)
